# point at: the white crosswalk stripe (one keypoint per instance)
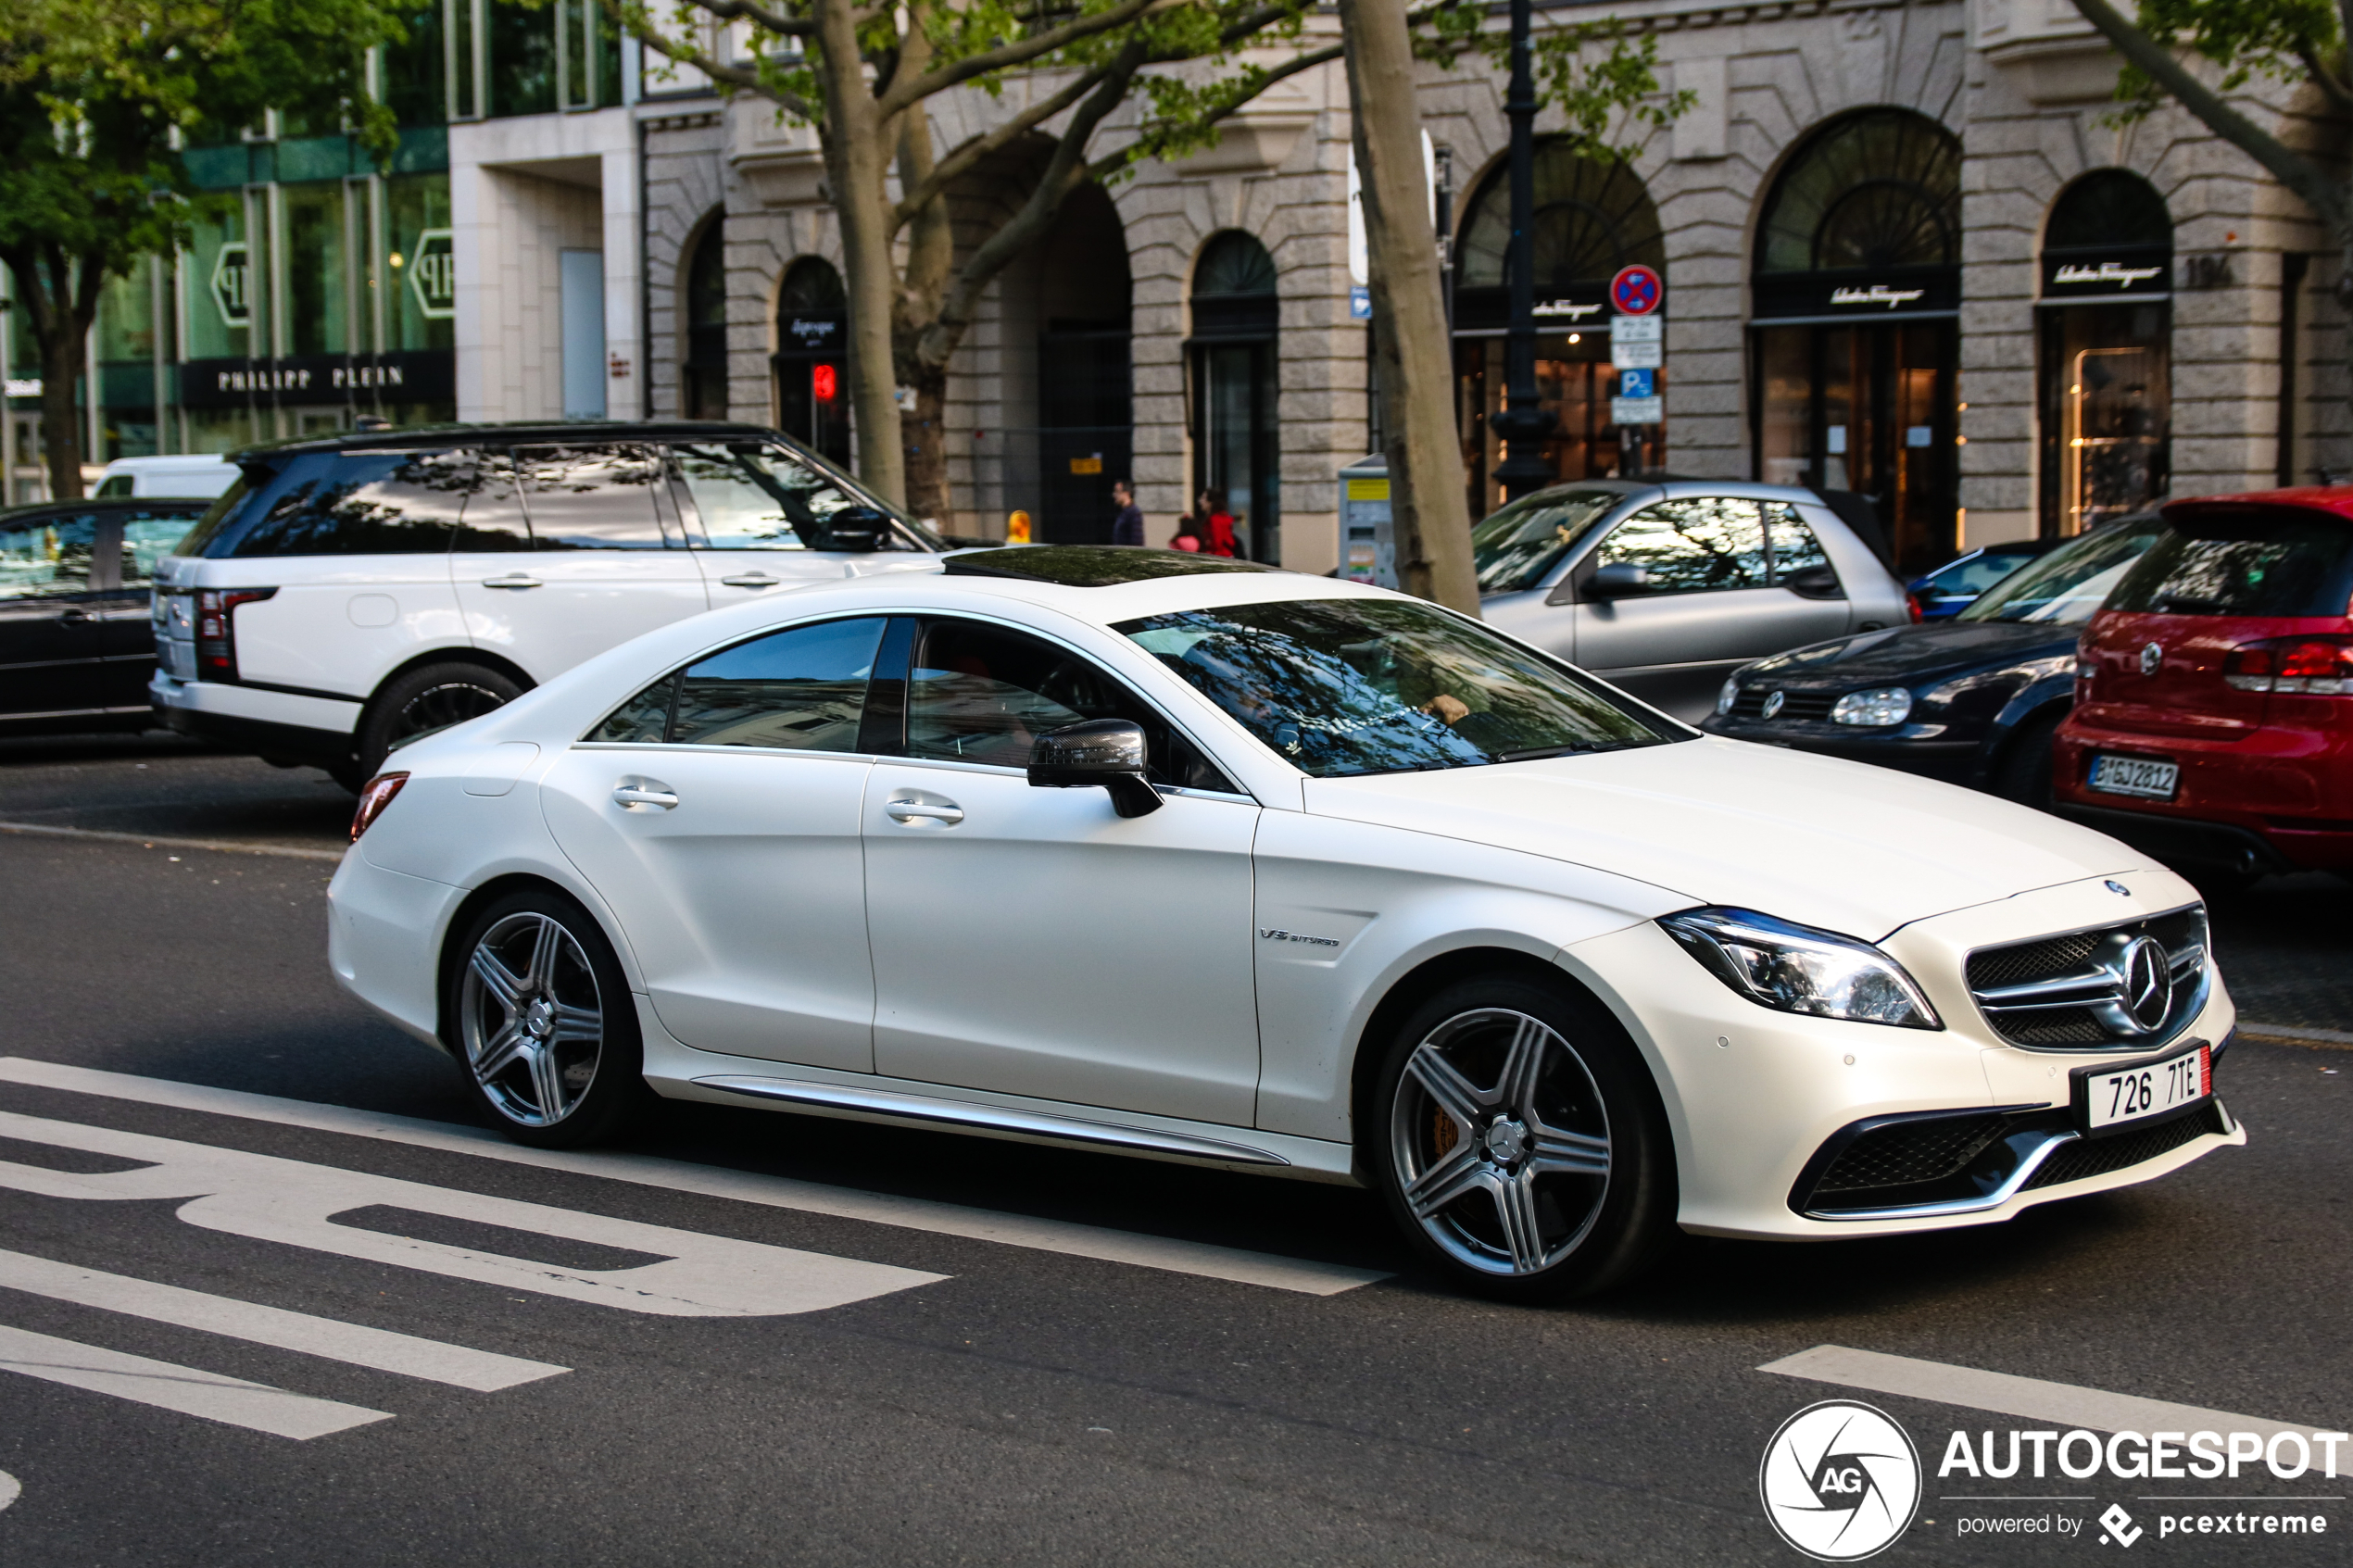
(378, 1348)
(231, 1400)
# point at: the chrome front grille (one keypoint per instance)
(2096, 989)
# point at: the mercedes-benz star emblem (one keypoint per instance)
(1775, 703)
(2152, 659)
(2144, 980)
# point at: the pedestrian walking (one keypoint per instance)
(1128, 528)
(1187, 535)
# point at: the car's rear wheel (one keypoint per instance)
(1519, 1142)
(543, 1024)
(433, 696)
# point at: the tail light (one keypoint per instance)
(374, 798)
(1912, 606)
(217, 628)
(2316, 665)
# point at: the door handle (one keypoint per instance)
(74, 613)
(648, 794)
(752, 580)
(512, 579)
(917, 810)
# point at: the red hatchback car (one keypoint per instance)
(2213, 722)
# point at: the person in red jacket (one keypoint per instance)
(1217, 524)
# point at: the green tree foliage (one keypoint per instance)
(1599, 79)
(93, 96)
(2291, 42)
(866, 76)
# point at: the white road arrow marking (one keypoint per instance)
(355, 1343)
(294, 1201)
(229, 1400)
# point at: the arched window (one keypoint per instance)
(1592, 216)
(810, 362)
(1873, 192)
(1236, 448)
(1856, 302)
(812, 287)
(2108, 275)
(2105, 208)
(1234, 287)
(703, 384)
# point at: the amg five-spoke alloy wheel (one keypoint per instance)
(1523, 1151)
(542, 1021)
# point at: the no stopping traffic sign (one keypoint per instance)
(1636, 291)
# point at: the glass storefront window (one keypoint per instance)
(1576, 381)
(223, 287)
(2110, 385)
(126, 318)
(420, 266)
(318, 253)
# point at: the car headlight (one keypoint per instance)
(1778, 963)
(1879, 706)
(1729, 695)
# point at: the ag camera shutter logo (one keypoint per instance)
(1841, 1481)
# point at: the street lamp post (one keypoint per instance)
(1524, 422)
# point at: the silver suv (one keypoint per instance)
(1664, 588)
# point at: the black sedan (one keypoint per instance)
(76, 643)
(1972, 700)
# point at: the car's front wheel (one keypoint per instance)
(543, 1024)
(1519, 1141)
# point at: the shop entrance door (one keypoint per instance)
(1867, 408)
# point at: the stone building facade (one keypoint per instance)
(1974, 389)
(1907, 250)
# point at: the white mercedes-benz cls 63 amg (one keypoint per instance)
(1191, 860)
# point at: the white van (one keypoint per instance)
(351, 592)
(199, 476)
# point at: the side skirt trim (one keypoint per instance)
(884, 1104)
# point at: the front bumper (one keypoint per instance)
(1753, 1096)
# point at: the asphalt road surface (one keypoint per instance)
(269, 1292)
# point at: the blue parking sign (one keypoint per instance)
(1636, 383)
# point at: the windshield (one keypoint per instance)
(1515, 546)
(2068, 586)
(1347, 686)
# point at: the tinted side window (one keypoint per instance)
(753, 496)
(590, 497)
(982, 694)
(147, 537)
(802, 689)
(49, 559)
(1707, 542)
(492, 520)
(361, 504)
(643, 719)
(2266, 561)
(1794, 547)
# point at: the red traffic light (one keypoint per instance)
(820, 382)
